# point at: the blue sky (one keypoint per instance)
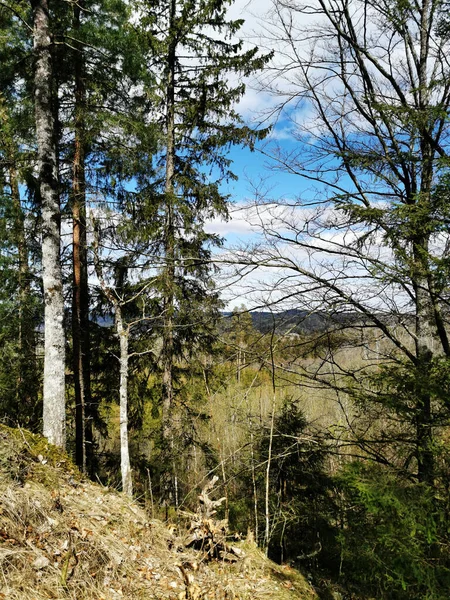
(255, 171)
(252, 168)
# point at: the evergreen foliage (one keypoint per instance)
(20, 305)
(301, 510)
(394, 539)
(139, 102)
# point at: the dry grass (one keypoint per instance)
(62, 537)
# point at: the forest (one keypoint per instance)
(320, 399)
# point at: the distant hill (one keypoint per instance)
(298, 321)
(293, 321)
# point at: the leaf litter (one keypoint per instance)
(63, 537)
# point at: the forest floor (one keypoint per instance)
(64, 537)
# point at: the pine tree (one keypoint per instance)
(80, 294)
(94, 65)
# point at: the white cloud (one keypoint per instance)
(290, 241)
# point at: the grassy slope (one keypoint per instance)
(63, 537)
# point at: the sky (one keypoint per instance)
(250, 167)
(261, 184)
(258, 175)
(260, 181)
(255, 172)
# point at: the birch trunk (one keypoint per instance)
(54, 345)
(123, 333)
(127, 483)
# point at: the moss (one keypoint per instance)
(22, 454)
(38, 445)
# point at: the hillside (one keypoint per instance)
(64, 537)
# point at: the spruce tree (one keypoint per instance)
(94, 66)
(18, 304)
(193, 51)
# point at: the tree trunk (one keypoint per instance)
(426, 332)
(426, 326)
(26, 379)
(54, 344)
(169, 272)
(255, 489)
(125, 467)
(238, 372)
(80, 297)
(267, 481)
(123, 333)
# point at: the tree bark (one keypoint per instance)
(123, 333)
(426, 326)
(27, 341)
(267, 535)
(127, 483)
(80, 297)
(169, 268)
(54, 345)
(426, 333)
(26, 378)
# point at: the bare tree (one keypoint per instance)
(119, 302)
(365, 95)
